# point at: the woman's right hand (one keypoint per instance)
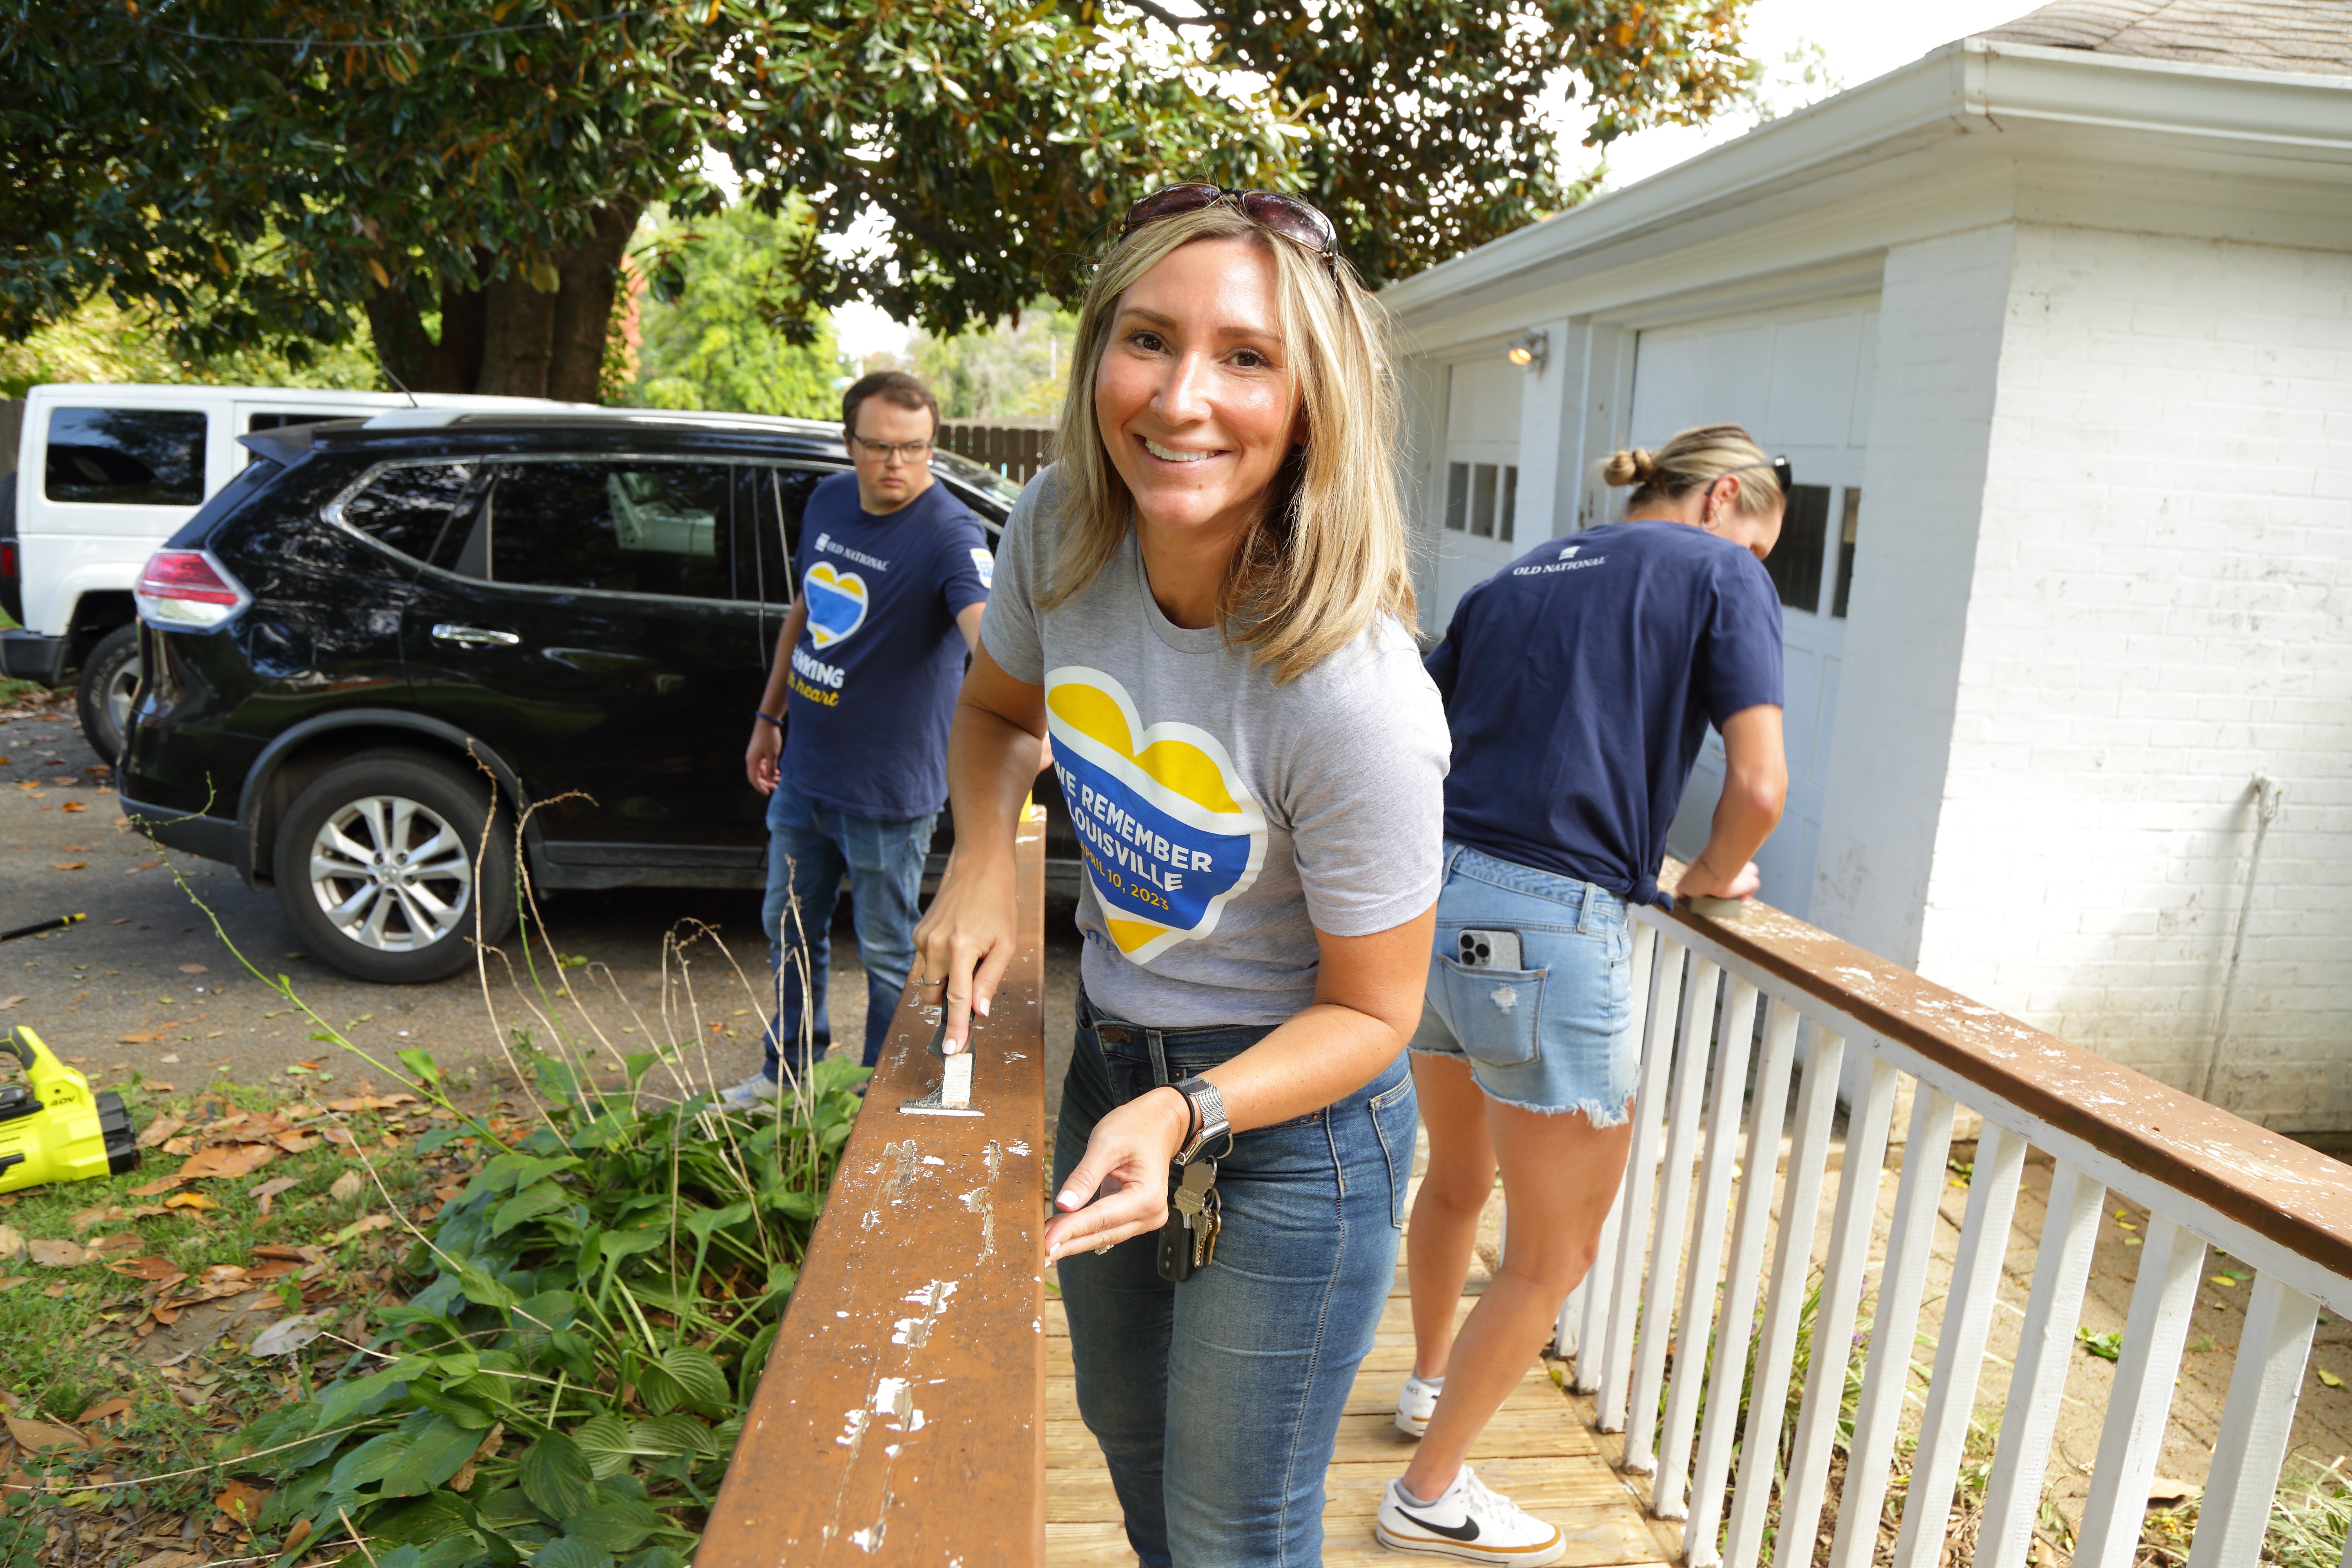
(967, 935)
(1701, 880)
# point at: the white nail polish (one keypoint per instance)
(981, 1007)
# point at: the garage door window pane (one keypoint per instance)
(1505, 524)
(619, 528)
(1845, 550)
(1482, 501)
(1795, 562)
(125, 456)
(1457, 495)
(424, 510)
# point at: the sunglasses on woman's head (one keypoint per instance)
(1295, 220)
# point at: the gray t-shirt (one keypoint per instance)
(1225, 819)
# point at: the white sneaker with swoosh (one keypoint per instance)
(1416, 1403)
(1468, 1523)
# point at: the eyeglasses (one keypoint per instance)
(1782, 475)
(913, 451)
(1295, 220)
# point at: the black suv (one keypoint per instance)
(384, 635)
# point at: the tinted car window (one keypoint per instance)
(424, 510)
(621, 527)
(768, 529)
(126, 457)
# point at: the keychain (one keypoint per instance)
(1188, 1241)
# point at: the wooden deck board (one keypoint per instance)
(1538, 1451)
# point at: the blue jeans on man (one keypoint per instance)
(810, 848)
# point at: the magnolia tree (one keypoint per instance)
(469, 176)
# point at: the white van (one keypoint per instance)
(105, 474)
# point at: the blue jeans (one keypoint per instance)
(1551, 1032)
(809, 848)
(1217, 1402)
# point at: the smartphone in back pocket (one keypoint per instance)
(1488, 950)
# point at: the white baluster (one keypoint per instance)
(2045, 1353)
(1658, 1327)
(2272, 1349)
(1582, 1315)
(1960, 1346)
(1784, 1303)
(1900, 1286)
(1640, 1181)
(2170, 1260)
(1720, 1141)
(1859, 1174)
(1735, 1321)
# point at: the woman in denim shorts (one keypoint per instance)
(1580, 682)
(1205, 602)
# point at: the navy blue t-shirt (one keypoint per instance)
(1580, 682)
(873, 684)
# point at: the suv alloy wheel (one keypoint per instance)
(107, 685)
(382, 867)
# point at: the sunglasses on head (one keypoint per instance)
(1295, 220)
(1782, 475)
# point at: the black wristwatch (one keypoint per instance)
(1209, 1122)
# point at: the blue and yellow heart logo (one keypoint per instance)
(837, 603)
(1169, 830)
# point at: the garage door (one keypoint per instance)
(1800, 380)
(1479, 531)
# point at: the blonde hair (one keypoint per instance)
(1694, 459)
(1329, 554)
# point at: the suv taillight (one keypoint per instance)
(189, 589)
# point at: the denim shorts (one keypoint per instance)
(1552, 1032)
(1217, 1402)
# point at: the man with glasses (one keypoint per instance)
(849, 743)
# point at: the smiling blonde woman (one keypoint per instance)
(1205, 605)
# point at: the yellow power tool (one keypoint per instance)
(53, 1128)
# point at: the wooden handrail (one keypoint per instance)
(2275, 1187)
(901, 1417)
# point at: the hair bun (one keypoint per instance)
(1625, 468)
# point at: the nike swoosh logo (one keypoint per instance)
(1466, 1530)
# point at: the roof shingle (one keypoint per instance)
(2307, 36)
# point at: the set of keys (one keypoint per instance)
(1188, 1241)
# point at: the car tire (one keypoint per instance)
(388, 920)
(109, 681)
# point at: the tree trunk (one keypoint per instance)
(515, 339)
(410, 357)
(591, 274)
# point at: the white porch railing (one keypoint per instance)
(1674, 1266)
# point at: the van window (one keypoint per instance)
(424, 510)
(282, 421)
(126, 457)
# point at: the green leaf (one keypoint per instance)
(697, 1374)
(668, 1436)
(432, 1455)
(557, 1477)
(421, 1063)
(568, 1552)
(2106, 1347)
(616, 1526)
(371, 1461)
(533, 1200)
(702, 1222)
(605, 1440)
(657, 1557)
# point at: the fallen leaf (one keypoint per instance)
(349, 1185)
(149, 1036)
(122, 1241)
(242, 1500)
(359, 1227)
(106, 1411)
(12, 1245)
(69, 865)
(2329, 1378)
(2224, 1280)
(148, 1268)
(178, 1146)
(123, 921)
(56, 1254)
(32, 1435)
(13, 1280)
(359, 1102)
(8, 1002)
(296, 1535)
(287, 1335)
(341, 1135)
(196, 969)
(228, 1160)
(162, 1127)
(161, 1184)
(2164, 1492)
(177, 1559)
(296, 1142)
(75, 805)
(189, 1200)
(272, 1188)
(88, 1217)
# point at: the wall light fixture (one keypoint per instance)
(1529, 350)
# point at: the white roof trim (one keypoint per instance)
(1967, 87)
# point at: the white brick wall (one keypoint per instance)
(2157, 604)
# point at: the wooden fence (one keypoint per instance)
(1016, 448)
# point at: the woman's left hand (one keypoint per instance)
(1127, 1163)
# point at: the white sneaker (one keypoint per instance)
(1468, 1523)
(1416, 1403)
(757, 1090)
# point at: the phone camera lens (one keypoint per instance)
(1485, 952)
